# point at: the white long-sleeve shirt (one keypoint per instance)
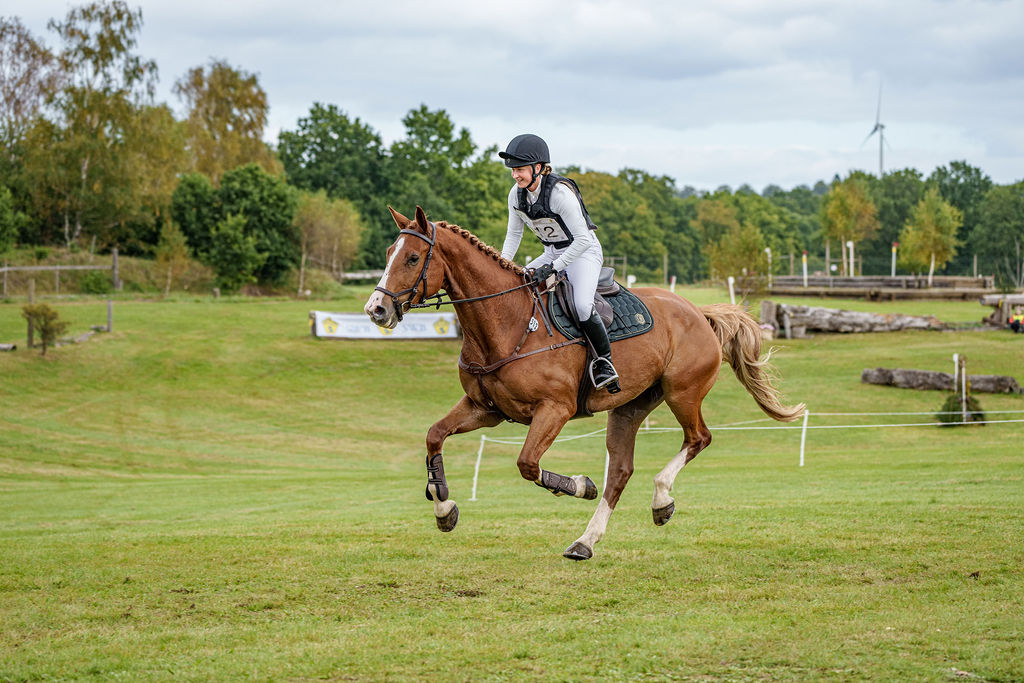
(567, 206)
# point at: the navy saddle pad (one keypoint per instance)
(630, 317)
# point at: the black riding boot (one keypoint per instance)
(602, 372)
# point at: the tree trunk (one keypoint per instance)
(302, 270)
(942, 381)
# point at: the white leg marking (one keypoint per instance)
(665, 479)
(442, 508)
(598, 523)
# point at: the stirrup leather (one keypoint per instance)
(609, 368)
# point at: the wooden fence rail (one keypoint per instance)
(57, 269)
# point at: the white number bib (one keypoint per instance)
(548, 230)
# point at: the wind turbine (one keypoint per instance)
(880, 129)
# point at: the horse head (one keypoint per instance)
(412, 273)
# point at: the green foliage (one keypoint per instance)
(264, 202)
(95, 282)
(329, 229)
(929, 237)
(11, 220)
(227, 111)
(964, 186)
(895, 195)
(998, 235)
(268, 205)
(234, 254)
(171, 253)
(45, 322)
(740, 253)
(195, 209)
(952, 411)
(847, 212)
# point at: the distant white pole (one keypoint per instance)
(732, 290)
(607, 457)
(803, 260)
(672, 285)
(803, 437)
(956, 370)
(768, 251)
(963, 390)
(853, 268)
(895, 245)
(476, 471)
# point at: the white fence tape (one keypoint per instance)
(517, 441)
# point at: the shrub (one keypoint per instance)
(95, 282)
(45, 322)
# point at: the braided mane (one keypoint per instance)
(482, 246)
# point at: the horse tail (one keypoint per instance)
(740, 338)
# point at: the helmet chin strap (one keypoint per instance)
(533, 176)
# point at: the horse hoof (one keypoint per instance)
(447, 522)
(589, 489)
(577, 551)
(662, 515)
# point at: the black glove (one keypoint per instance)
(542, 273)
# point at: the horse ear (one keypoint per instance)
(400, 220)
(421, 221)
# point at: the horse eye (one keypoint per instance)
(413, 259)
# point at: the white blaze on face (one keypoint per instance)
(377, 298)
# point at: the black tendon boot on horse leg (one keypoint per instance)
(445, 511)
(602, 372)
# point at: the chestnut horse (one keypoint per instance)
(511, 368)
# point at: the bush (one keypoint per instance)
(45, 322)
(95, 282)
(951, 412)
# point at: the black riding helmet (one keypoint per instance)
(526, 150)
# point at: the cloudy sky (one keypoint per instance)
(709, 93)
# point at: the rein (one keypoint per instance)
(428, 302)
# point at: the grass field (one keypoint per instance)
(208, 493)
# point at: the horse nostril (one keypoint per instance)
(378, 312)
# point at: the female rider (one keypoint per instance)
(552, 208)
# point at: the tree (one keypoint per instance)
(848, 214)
(740, 253)
(329, 229)
(929, 236)
(76, 162)
(46, 321)
(28, 75)
(626, 224)
(347, 159)
(964, 186)
(998, 236)
(234, 255)
(11, 220)
(267, 204)
(227, 111)
(195, 208)
(895, 195)
(171, 253)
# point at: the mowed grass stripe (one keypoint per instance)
(209, 493)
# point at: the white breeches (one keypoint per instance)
(582, 274)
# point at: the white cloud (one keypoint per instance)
(709, 93)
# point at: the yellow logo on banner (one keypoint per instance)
(330, 326)
(385, 331)
(441, 326)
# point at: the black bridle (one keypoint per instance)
(411, 291)
(422, 279)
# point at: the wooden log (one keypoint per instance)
(838, 320)
(940, 381)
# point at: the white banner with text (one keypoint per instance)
(359, 326)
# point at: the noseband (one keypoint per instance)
(422, 279)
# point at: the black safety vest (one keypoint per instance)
(557, 236)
